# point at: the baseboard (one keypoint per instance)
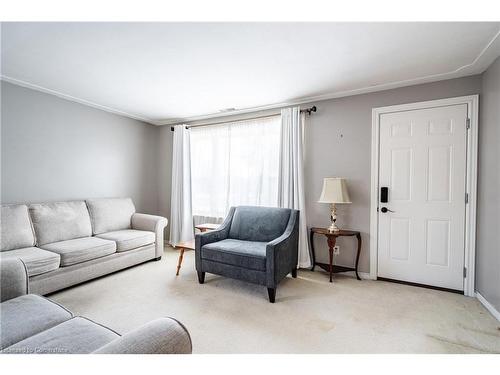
(362, 275)
(488, 306)
(366, 276)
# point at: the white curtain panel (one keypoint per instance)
(234, 164)
(181, 216)
(291, 174)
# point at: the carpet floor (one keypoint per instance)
(310, 314)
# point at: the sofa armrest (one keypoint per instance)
(13, 279)
(154, 224)
(282, 252)
(160, 336)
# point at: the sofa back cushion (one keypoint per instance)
(110, 214)
(60, 221)
(262, 224)
(16, 230)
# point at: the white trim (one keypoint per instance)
(488, 306)
(71, 98)
(476, 66)
(472, 102)
(362, 275)
(366, 276)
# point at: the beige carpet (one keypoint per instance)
(310, 314)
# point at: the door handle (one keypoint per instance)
(385, 209)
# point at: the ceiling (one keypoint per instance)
(169, 72)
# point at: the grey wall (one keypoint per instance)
(53, 149)
(338, 143)
(488, 223)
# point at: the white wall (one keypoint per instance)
(53, 149)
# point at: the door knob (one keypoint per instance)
(385, 209)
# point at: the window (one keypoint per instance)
(234, 164)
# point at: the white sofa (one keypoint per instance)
(66, 243)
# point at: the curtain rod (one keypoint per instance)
(306, 110)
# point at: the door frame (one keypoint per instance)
(472, 102)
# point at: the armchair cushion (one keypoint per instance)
(245, 254)
(261, 224)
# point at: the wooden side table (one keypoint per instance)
(190, 245)
(331, 238)
(183, 246)
(206, 227)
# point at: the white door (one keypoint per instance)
(423, 165)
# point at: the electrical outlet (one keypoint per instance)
(336, 250)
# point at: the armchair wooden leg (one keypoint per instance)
(294, 273)
(201, 277)
(272, 294)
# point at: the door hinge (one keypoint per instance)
(466, 198)
(465, 272)
(468, 123)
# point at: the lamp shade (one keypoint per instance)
(334, 191)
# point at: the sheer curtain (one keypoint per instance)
(233, 164)
(181, 218)
(291, 192)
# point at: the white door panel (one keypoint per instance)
(423, 163)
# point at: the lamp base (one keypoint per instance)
(333, 228)
(333, 218)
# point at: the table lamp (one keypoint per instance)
(334, 191)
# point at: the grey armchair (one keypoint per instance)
(255, 244)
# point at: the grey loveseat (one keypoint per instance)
(30, 323)
(254, 244)
(66, 243)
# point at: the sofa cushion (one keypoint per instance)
(37, 261)
(75, 336)
(28, 315)
(110, 214)
(16, 230)
(246, 254)
(129, 239)
(60, 221)
(262, 224)
(80, 250)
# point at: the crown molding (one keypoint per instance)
(71, 98)
(486, 56)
